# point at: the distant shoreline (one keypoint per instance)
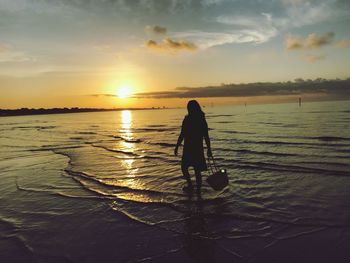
(26, 111)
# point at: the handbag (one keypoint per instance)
(217, 178)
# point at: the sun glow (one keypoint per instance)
(124, 92)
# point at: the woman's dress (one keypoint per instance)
(194, 129)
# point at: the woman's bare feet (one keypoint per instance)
(188, 189)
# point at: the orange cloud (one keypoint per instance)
(4, 47)
(156, 30)
(169, 45)
(310, 42)
(10, 54)
(343, 44)
(314, 41)
(293, 42)
(314, 58)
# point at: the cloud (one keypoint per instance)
(216, 22)
(169, 45)
(314, 41)
(335, 88)
(310, 42)
(343, 44)
(9, 54)
(293, 42)
(261, 27)
(208, 3)
(205, 40)
(299, 13)
(314, 58)
(157, 30)
(103, 95)
(262, 20)
(245, 29)
(4, 48)
(293, 2)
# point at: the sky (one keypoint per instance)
(78, 53)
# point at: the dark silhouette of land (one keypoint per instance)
(335, 89)
(42, 111)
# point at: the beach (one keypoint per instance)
(106, 187)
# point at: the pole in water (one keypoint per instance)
(299, 102)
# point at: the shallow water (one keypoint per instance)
(289, 170)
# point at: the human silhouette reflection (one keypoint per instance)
(197, 242)
(194, 129)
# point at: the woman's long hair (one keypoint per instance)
(194, 109)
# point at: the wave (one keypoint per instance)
(124, 138)
(13, 146)
(237, 132)
(52, 192)
(155, 157)
(183, 214)
(154, 129)
(122, 192)
(330, 138)
(131, 140)
(325, 163)
(279, 154)
(219, 115)
(53, 148)
(245, 141)
(280, 143)
(285, 168)
(244, 151)
(344, 151)
(33, 127)
(84, 132)
(320, 138)
(10, 232)
(225, 122)
(115, 150)
(162, 144)
(290, 143)
(157, 125)
(272, 123)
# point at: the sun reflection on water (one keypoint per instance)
(126, 125)
(131, 172)
(126, 120)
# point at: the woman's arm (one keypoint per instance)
(180, 139)
(207, 139)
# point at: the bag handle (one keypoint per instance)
(212, 165)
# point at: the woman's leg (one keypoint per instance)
(198, 174)
(186, 175)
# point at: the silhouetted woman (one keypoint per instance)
(194, 129)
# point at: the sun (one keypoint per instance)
(124, 92)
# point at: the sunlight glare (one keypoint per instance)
(123, 92)
(126, 119)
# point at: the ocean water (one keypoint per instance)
(106, 186)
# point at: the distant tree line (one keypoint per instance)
(27, 111)
(333, 87)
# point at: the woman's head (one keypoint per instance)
(194, 109)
